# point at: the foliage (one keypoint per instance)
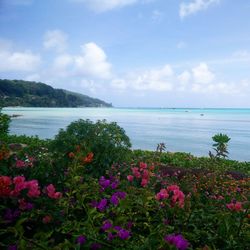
(50, 198)
(220, 145)
(107, 141)
(33, 94)
(4, 123)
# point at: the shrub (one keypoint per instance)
(220, 145)
(107, 141)
(4, 123)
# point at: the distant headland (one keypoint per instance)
(36, 94)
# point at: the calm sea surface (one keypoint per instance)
(188, 130)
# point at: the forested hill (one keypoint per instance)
(33, 94)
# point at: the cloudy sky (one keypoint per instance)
(132, 53)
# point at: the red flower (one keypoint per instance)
(5, 182)
(52, 192)
(71, 155)
(88, 158)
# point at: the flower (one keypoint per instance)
(114, 199)
(104, 183)
(71, 155)
(81, 239)
(47, 219)
(177, 240)
(123, 234)
(24, 205)
(163, 194)
(52, 192)
(130, 178)
(144, 182)
(95, 246)
(106, 225)
(33, 187)
(234, 206)
(101, 206)
(5, 182)
(12, 247)
(20, 164)
(88, 158)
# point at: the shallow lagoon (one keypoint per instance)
(188, 130)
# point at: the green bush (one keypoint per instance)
(107, 141)
(4, 123)
(220, 145)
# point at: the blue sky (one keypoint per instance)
(133, 53)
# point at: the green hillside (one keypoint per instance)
(33, 94)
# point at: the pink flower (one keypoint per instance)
(145, 174)
(136, 172)
(143, 165)
(130, 178)
(173, 187)
(144, 182)
(5, 182)
(47, 219)
(20, 164)
(178, 197)
(33, 187)
(51, 191)
(20, 184)
(163, 194)
(237, 206)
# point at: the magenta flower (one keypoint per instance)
(81, 239)
(101, 206)
(114, 199)
(177, 240)
(123, 234)
(104, 183)
(106, 225)
(12, 247)
(95, 246)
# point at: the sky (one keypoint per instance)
(132, 53)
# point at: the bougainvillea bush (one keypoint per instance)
(49, 204)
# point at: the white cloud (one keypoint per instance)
(62, 62)
(93, 62)
(202, 74)
(120, 84)
(194, 6)
(148, 80)
(33, 77)
(55, 39)
(11, 61)
(106, 5)
(184, 77)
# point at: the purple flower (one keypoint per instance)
(129, 225)
(104, 183)
(114, 184)
(95, 246)
(106, 225)
(123, 234)
(102, 205)
(114, 199)
(117, 228)
(12, 247)
(81, 239)
(121, 195)
(111, 236)
(11, 215)
(177, 240)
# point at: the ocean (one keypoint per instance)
(182, 130)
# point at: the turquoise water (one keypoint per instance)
(187, 130)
